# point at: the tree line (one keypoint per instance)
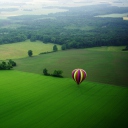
(77, 28)
(56, 73)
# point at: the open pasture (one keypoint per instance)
(87, 28)
(103, 64)
(20, 49)
(114, 15)
(30, 100)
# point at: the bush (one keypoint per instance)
(126, 48)
(30, 53)
(45, 72)
(63, 47)
(55, 48)
(57, 73)
(5, 66)
(46, 52)
(13, 63)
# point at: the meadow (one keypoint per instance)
(20, 49)
(102, 64)
(29, 100)
(114, 15)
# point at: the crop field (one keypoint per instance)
(30, 100)
(114, 15)
(107, 48)
(103, 64)
(19, 50)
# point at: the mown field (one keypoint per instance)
(102, 64)
(30, 100)
(114, 15)
(20, 49)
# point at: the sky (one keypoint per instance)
(51, 0)
(58, 0)
(61, 2)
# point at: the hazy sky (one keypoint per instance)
(58, 0)
(52, 0)
(62, 2)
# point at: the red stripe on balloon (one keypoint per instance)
(78, 75)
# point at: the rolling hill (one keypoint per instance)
(20, 49)
(102, 64)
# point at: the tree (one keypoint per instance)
(55, 48)
(13, 63)
(5, 66)
(45, 72)
(30, 53)
(57, 73)
(125, 49)
(63, 47)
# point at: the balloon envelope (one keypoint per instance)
(78, 75)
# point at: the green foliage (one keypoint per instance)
(30, 53)
(5, 66)
(125, 49)
(76, 28)
(55, 48)
(45, 72)
(57, 73)
(46, 52)
(63, 47)
(13, 63)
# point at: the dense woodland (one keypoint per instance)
(76, 28)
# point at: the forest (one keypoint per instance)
(77, 28)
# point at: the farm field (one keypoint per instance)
(102, 64)
(20, 49)
(29, 100)
(114, 15)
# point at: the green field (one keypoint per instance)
(102, 64)
(87, 28)
(34, 101)
(114, 15)
(20, 49)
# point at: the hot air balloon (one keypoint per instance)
(78, 75)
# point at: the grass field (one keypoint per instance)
(19, 50)
(87, 28)
(104, 64)
(114, 15)
(34, 101)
